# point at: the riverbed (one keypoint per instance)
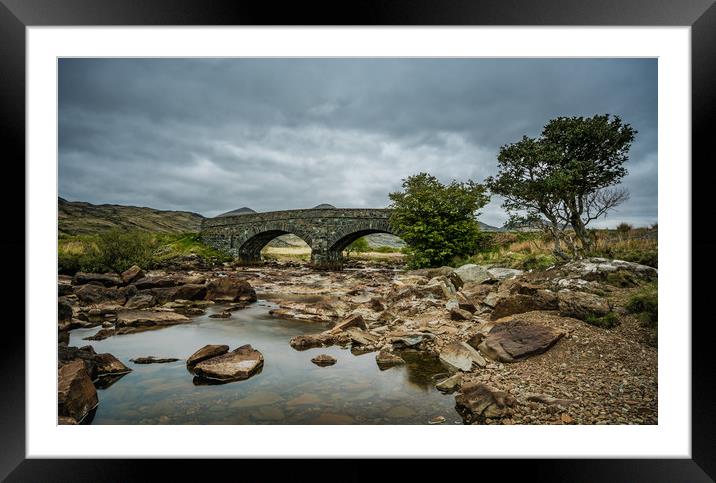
(290, 389)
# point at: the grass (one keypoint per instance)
(533, 250)
(608, 321)
(645, 303)
(117, 250)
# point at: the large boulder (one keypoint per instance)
(472, 273)
(149, 318)
(106, 279)
(516, 339)
(64, 310)
(230, 290)
(189, 291)
(581, 305)
(168, 281)
(236, 365)
(206, 352)
(76, 395)
(522, 302)
(477, 402)
(141, 301)
(97, 365)
(92, 294)
(131, 274)
(600, 268)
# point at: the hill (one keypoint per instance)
(79, 218)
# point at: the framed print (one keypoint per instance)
(435, 226)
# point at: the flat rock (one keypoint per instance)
(141, 301)
(236, 365)
(324, 360)
(450, 384)
(353, 320)
(461, 356)
(456, 313)
(106, 279)
(516, 339)
(153, 360)
(503, 273)
(149, 318)
(206, 352)
(520, 303)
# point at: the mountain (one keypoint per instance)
(241, 211)
(323, 206)
(486, 227)
(79, 218)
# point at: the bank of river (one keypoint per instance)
(289, 390)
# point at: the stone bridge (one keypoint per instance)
(328, 231)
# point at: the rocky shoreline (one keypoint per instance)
(519, 348)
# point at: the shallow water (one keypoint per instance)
(290, 389)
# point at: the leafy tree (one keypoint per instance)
(437, 221)
(565, 178)
(358, 246)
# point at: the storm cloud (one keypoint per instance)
(212, 135)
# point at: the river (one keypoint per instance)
(290, 389)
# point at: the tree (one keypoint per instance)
(117, 250)
(437, 221)
(565, 178)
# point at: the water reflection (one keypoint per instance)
(290, 389)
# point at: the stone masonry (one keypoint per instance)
(327, 231)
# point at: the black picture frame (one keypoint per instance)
(700, 15)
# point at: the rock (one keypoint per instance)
(459, 314)
(515, 339)
(131, 274)
(91, 293)
(141, 301)
(411, 339)
(520, 303)
(476, 292)
(360, 337)
(386, 359)
(377, 304)
(236, 365)
(76, 395)
(66, 420)
(64, 310)
(324, 360)
(492, 299)
(230, 290)
(106, 279)
(460, 356)
(149, 318)
(102, 334)
(206, 352)
(221, 315)
(64, 289)
(472, 273)
(581, 305)
(451, 384)
(503, 273)
(168, 281)
(437, 420)
(96, 365)
(354, 320)
(153, 360)
(599, 268)
(444, 284)
(465, 304)
(477, 402)
(303, 342)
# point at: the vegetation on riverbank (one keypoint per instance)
(116, 250)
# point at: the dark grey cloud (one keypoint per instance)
(211, 135)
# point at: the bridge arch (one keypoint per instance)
(248, 245)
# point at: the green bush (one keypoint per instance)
(646, 304)
(607, 321)
(358, 246)
(117, 250)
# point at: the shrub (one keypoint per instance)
(624, 227)
(358, 246)
(646, 303)
(607, 321)
(117, 250)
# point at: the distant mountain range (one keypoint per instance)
(80, 218)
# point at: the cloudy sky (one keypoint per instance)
(212, 135)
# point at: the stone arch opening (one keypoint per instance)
(333, 257)
(250, 250)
